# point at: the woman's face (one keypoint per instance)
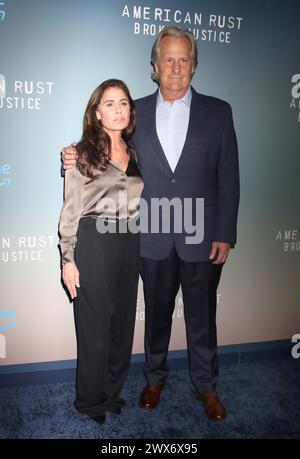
(114, 110)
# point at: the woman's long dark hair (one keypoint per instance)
(94, 148)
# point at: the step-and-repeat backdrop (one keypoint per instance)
(53, 53)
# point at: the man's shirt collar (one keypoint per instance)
(186, 99)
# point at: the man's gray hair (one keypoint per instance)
(176, 33)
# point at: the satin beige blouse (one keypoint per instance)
(85, 197)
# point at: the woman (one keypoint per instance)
(100, 267)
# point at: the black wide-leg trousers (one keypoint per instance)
(199, 282)
(104, 310)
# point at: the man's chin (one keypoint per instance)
(177, 89)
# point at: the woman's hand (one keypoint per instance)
(70, 275)
(69, 155)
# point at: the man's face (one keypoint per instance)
(174, 66)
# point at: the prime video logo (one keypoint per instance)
(2, 12)
(5, 172)
(11, 323)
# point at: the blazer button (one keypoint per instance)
(173, 180)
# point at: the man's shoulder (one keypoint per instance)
(145, 100)
(210, 100)
(145, 107)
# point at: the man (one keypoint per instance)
(186, 148)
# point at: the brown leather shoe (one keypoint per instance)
(214, 409)
(150, 397)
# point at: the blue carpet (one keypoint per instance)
(262, 401)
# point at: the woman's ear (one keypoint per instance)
(98, 116)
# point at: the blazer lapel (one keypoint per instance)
(150, 129)
(196, 127)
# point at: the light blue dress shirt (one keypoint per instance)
(172, 120)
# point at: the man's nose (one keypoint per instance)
(176, 67)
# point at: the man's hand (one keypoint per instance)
(70, 275)
(69, 155)
(219, 252)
